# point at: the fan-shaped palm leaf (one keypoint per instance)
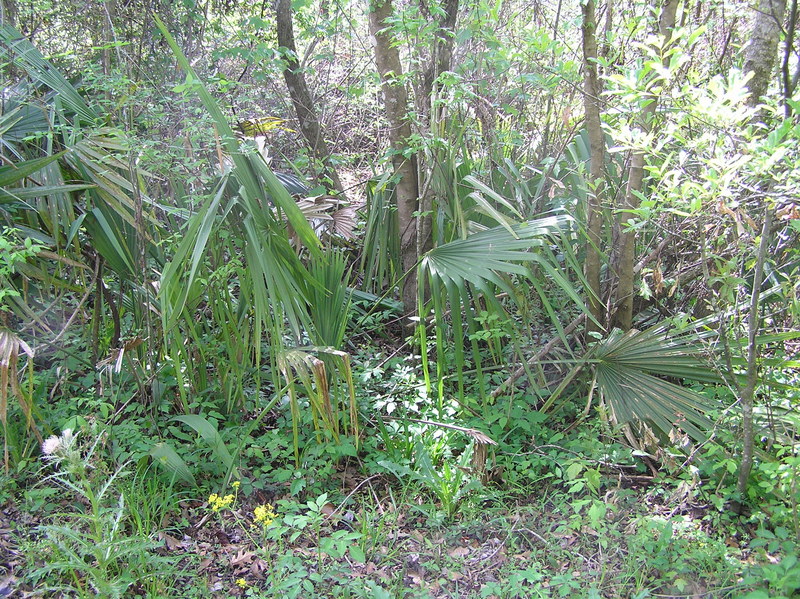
(627, 368)
(39, 69)
(459, 271)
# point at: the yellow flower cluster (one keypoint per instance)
(264, 515)
(242, 583)
(216, 502)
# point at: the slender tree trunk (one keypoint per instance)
(300, 94)
(8, 12)
(594, 211)
(395, 99)
(623, 317)
(109, 17)
(761, 51)
(433, 111)
(789, 78)
(8, 16)
(760, 56)
(441, 56)
(747, 394)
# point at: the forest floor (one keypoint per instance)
(645, 541)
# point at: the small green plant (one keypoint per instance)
(14, 250)
(92, 552)
(780, 573)
(450, 483)
(679, 553)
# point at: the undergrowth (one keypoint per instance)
(546, 513)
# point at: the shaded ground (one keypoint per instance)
(376, 545)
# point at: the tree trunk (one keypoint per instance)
(109, 19)
(623, 317)
(747, 394)
(8, 12)
(594, 215)
(433, 113)
(395, 99)
(760, 59)
(300, 94)
(761, 51)
(441, 56)
(789, 77)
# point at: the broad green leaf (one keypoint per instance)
(166, 456)
(14, 172)
(210, 435)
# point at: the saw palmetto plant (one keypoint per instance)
(281, 299)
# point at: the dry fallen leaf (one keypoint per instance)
(171, 542)
(242, 557)
(204, 564)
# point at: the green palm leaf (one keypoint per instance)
(249, 167)
(39, 69)
(15, 172)
(483, 257)
(479, 265)
(627, 366)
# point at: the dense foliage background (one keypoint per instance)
(399, 299)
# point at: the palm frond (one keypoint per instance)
(467, 274)
(481, 257)
(15, 172)
(250, 169)
(32, 61)
(308, 365)
(329, 302)
(628, 366)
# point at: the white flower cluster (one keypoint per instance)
(59, 447)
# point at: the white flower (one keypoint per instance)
(51, 445)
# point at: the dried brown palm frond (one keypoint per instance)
(11, 345)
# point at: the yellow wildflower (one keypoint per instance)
(264, 515)
(241, 582)
(236, 485)
(216, 503)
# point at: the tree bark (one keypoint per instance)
(761, 52)
(788, 77)
(301, 96)
(8, 12)
(594, 215)
(395, 99)
(441, 56)
(623, 316)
